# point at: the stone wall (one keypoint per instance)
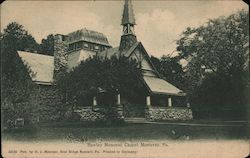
(99, 114)
(60, 55)
(120, 112)
(168, 113)
(88, 114)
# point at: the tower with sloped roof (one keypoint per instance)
(128, 38)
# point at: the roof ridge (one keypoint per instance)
(87, 30)
(130, 50)
(38, 54)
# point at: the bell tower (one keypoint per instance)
(128, 37)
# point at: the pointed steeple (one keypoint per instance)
(128, 38)
(128, 16)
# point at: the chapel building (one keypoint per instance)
(163, 101)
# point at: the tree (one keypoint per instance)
(14, 38)
(216, 56)
(17, 87)
(47, 45)
(23, 41)
(171, 70)
(94, 74)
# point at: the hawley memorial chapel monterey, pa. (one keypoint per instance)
(163, 101)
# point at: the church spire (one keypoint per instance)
(128, 37)
(128, 18)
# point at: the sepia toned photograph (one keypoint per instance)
(125, 79)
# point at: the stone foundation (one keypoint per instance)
(92, 114)
(168, 113)
(120, 113)
(88, 114)
(60, 55)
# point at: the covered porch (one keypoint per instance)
(163, 94)
(161, 101)
(165, 101)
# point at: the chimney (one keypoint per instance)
(60, 55)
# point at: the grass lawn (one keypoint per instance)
(130, 132)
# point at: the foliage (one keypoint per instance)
(16, 84)
(216, 54)
(47, 45)
(103, 79)
(171, 70)
(50, 105)
(94, 75)
(23, 41)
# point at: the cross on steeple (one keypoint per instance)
(128, 37)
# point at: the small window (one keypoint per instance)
(79, 45)
(71, 46)
(102, 48)
(96, 47)
(74, 46)
(86, 45)
(91, 46)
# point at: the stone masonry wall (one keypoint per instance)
(97, 114)
(88, 114)
(60, 55)
(168, 113)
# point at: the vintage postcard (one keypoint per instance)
(125, 79)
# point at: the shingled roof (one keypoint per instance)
(159, 86)
(155, 84)
(41, 65)
(89, 36)
(128, 16)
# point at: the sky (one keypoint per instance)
(159, 23)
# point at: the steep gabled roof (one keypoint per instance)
(41, 65)
(131, 49)
(155, 84)
(139, 44)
